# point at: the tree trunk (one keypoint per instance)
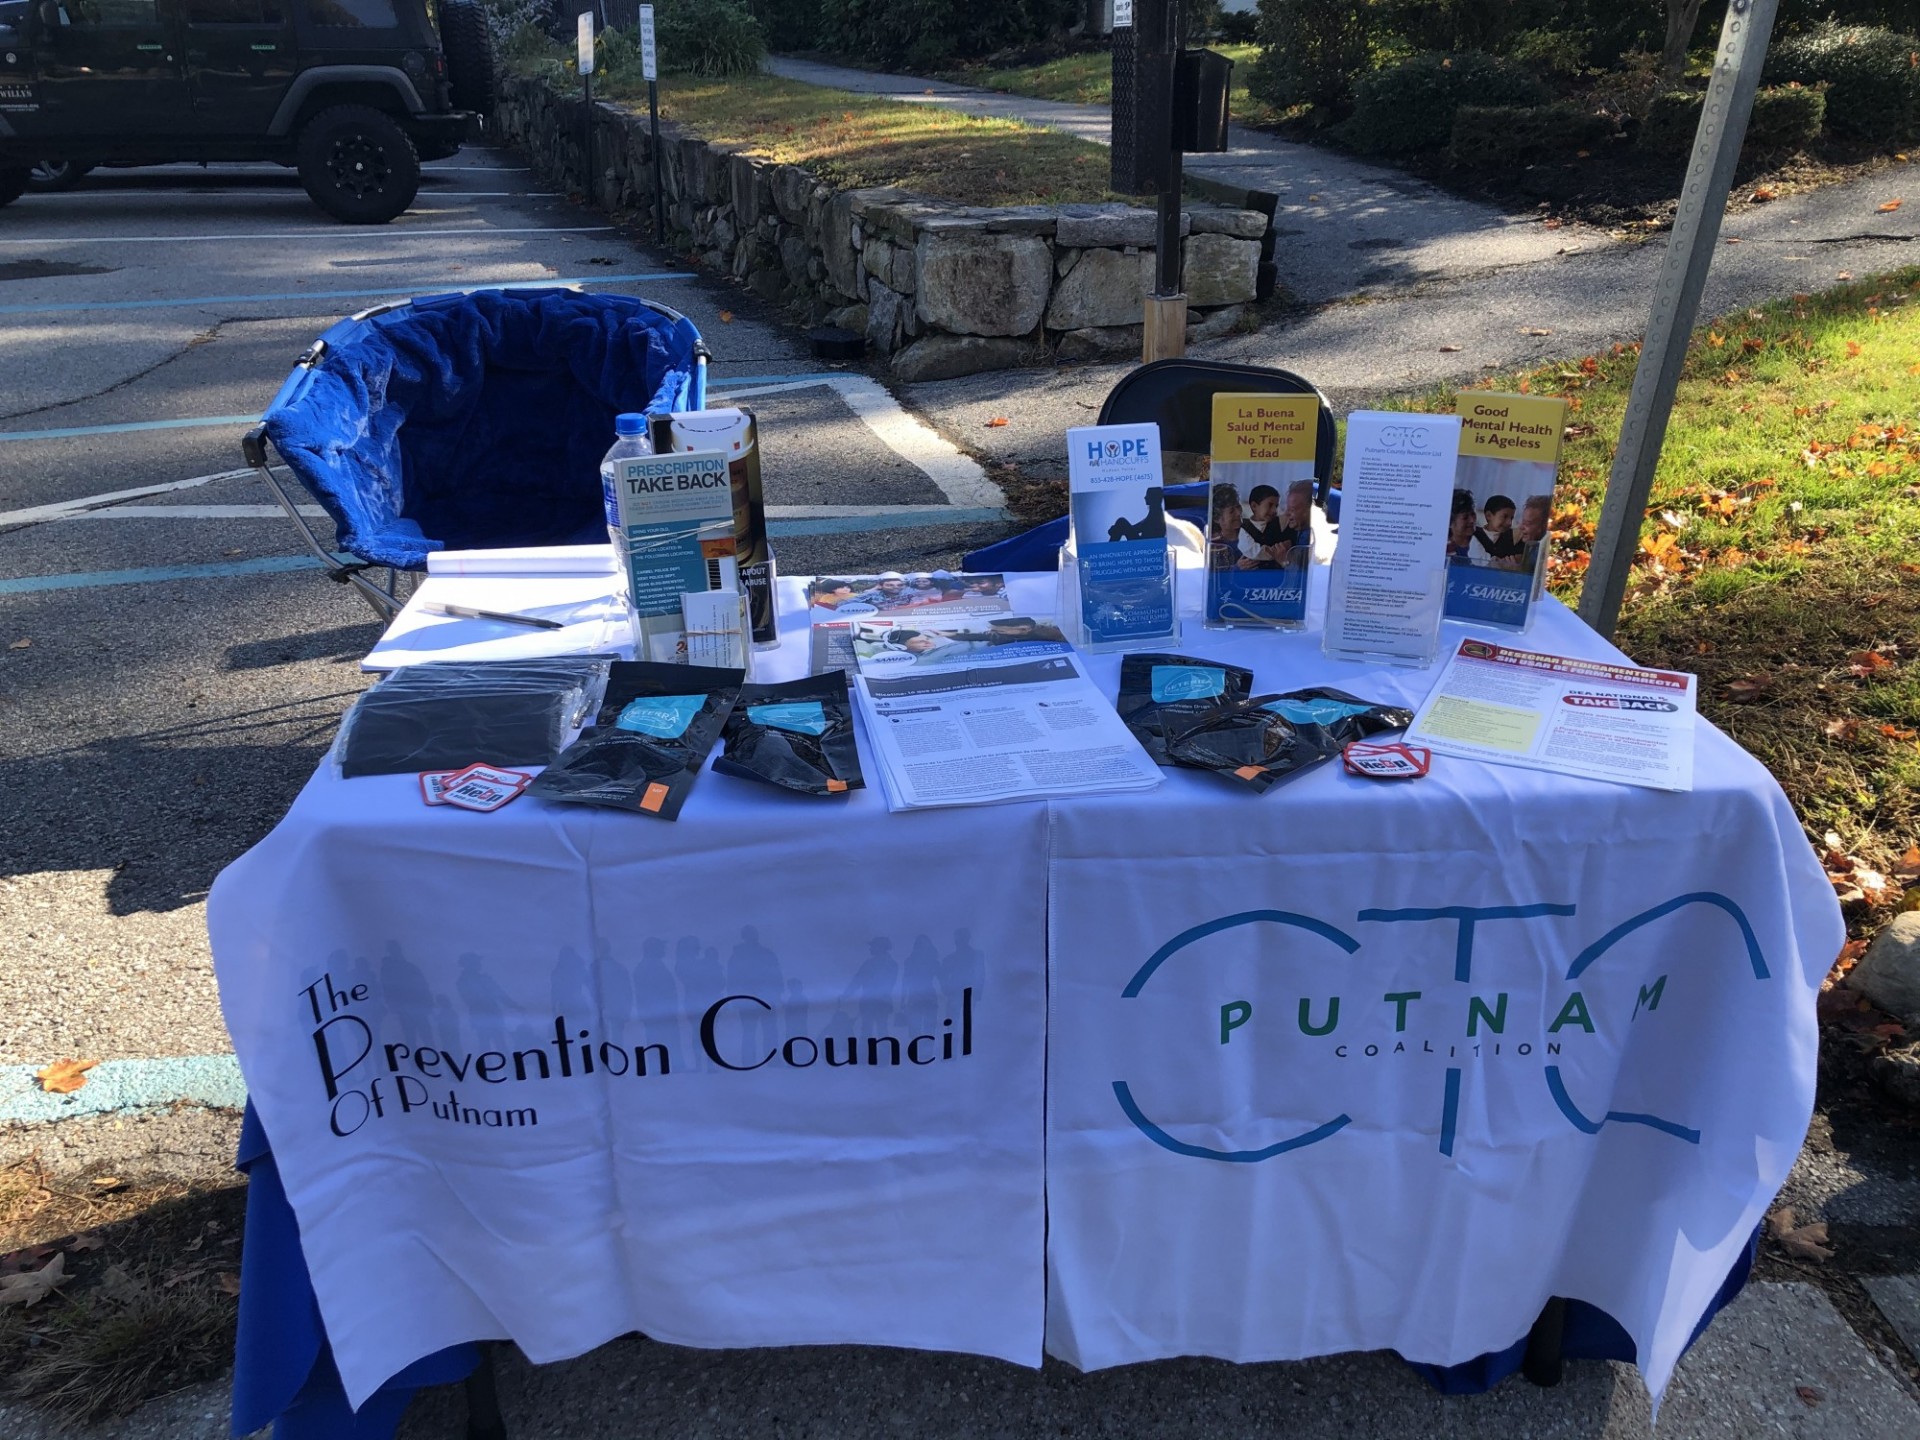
(1681, 16)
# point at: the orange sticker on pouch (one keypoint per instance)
(655, 797)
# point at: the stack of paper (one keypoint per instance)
(577, 585)
(974, 715)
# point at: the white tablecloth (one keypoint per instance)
(1232, 1167)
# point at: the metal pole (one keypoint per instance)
(586, 143)
(1676, 302)
(1163, 335)
(659, 181)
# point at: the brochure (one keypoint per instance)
(676, 518)
(1590, 718)
(1122, 569)
(1260, 510)
(910, 598)
(974, 722)
(1389, 571)
(734, 433)
(1502, 502)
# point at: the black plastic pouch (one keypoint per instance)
(798, 736)
(1161, 695)
(444, 715)
(1271, 738)
(655, 728)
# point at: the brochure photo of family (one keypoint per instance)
(892, 591)
(1264, 522)
(1501, 509)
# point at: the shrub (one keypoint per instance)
(1489, 137)
(1551, 52)
(1410, 106)
(1310, 52)
(1783, 118)
(1872, 76)
(1786, 117)
(707, 37)
(1239, 27)
(788, 24)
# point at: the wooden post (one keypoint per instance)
(1164, 336)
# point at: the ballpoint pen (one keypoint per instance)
(468, 612)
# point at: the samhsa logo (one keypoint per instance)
(1114, 452)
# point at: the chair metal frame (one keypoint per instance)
(386, 601)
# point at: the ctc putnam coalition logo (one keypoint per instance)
(1486, 1018)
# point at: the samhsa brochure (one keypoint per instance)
(1260, 510)
(1123, 569)
(1502, 503)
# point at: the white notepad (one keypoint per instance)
(578, 585)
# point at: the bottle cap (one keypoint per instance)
(629, 424)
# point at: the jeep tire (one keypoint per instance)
(358, 164)
(13, 183)
(468, 45)
(51, 175)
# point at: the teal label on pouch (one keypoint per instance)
(1187, 682)
(665, 717)
(1314, 712)
(802, 717)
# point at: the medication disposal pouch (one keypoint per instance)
(1271, 738)
(1161, 694)
(797, 735)
(654, 730)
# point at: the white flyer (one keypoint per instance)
(1389, 576)
(983, 714)
(1572, 717)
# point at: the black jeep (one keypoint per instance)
(355, 93)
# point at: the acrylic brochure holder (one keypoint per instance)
(1124, 614)
(1118, 586)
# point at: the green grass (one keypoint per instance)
(853, 140)
(1780, 559)
(1087, 79)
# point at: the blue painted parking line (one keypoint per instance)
(71, 431)
(94, 579)
(913, 520)
(438, 288)
(113, 1085)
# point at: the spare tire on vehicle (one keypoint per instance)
(468, 44)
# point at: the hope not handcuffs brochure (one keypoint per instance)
(972, 721)
(1590, 718)
(1120, 558)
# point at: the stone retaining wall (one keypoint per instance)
(938, 288)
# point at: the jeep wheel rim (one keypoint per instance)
(358, 165)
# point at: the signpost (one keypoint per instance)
(650, 68)
(585, 60)
(1676, 302)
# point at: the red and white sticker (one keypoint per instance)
(1393, 761)
(478, 787)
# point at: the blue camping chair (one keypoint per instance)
(1178, 396)
(468, 421)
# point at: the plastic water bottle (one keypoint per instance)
(630, 443)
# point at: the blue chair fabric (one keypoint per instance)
(476, 420)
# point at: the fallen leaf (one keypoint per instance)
(1843, 275)
(1751, 687)
(1894, 732)
(1807, 1393)
(1853, 348)
(81, 1244)
(63, 1077)
(228, 1282)
(1907, 867)
(1764, 193)
(996, 422)
(35, 1285)
(726, 317)
(1450, 349)
(1867, 662)
(107, 1184)
(1733, 239)
(1888, 207)
(21, 644)
(1842, 729)
(1534, 330)
(1803, 1242)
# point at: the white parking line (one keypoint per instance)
(361, 232)
(61, 510)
